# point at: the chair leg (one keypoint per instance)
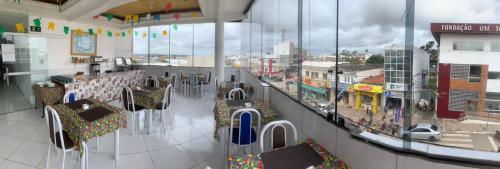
(97, 143)
(164, 125)
(64, 159)
(48, 156)
(170, 115)
(133, 123)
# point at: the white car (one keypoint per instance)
(423, 132)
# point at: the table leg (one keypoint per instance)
(83, 162)
(117, 145)
(150, 120)
(43, 112)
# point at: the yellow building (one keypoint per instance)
(369, 93)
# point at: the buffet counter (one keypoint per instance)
(106, 87)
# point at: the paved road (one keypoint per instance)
(482, 142)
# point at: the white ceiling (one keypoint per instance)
(83, 11)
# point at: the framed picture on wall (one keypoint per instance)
(83, 44)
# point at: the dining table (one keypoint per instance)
(224, 87)
(45, 95)
(98, 119)
(164, 82)
(148, 97)
(308, 154)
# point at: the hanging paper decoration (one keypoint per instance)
(79, 32)
(135, 18)
(144, 35)
(165, 33)
(177, 16)
(175, 26)
(128, 18)
(110, 34)
(20, 27)
(136, 33)
(99, 31)
(123, 34)
(18, 1)
(66, 30)
(37, 22)
(52, 26)
(110, 17)
(96, 17)
(129, 31)
(2, 30)
(91, 31)
(148, 16)
(168, 6)
(154, 35)
(117, 34)
(157, 18)
(194, 14)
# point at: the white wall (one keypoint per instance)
(59, 46)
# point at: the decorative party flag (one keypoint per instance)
(66, 30)
(168, 6)
(144, 35)
(165, 33)
(177, 16)
(148, 16)
(110, 17)
(156, 17)
(52, 26)
(135, 18)
(91, 31)
(20, 27)
(99, 31)
(129, 31)
(123, 34)
(96, 17)
(175, 27)
(79, 32)
(154, 35)
(117, 34)
(110, 34)
(194, 14)
(37, 22)
(128, 18)
(2, 30)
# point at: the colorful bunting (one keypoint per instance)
(20, 27)
(37, 22)
(99, 31)
(156, 17)
(129, 31)
(91, 31)
(52, 26)
(135, 18)
(175, 27)
(117, 34)
(154, 35)
(144, 35)
(123, 34)
(128, 18)
(136, 33)
(110, 34)
(2, 30)
(96, 17)
(66, 30)
(177, 16)
(168, 6)
(148, 16)
(79, 32)
(110, 17)
(165, 33)
(194, 14)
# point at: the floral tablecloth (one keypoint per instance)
(254, 161)
(150, 100)
(48, 95)
(222, 114)
(226, 86)
(79, 129)
(164, 82)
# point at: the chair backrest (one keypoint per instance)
(54, 125)
(237, 92)
(209, 77)
(166, 74)
(127, 98)
(245, 124)
(173, 80)
(216, 87)
(152, 81)
(193, 79)
(233, 78)
(278, 134)
(166, 97)
(71, 96)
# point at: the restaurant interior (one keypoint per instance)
(177, 84)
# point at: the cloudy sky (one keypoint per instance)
(364, 24)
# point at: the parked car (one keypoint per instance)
(423, 132)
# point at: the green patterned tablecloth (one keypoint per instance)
(48, 95)
(222, 114)
(80, 130)
(254, 161)
(150, 100)
(226, 86)
(164, 82)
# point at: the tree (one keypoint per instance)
(350, 56)
(377, 59)
(431, 50)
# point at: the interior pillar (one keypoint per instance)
(219, 42)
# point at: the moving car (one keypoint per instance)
(423, 132)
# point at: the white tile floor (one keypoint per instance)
(187, 143)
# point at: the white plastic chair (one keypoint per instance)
(242, 113)
(273, 125)
(71, 96)
(164, 106)
(129, 104)
(234, 91)
(154, 79)
(57, 137)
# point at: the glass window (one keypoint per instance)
(256, 64)
(468, 46)
(495, 46)
(140, 46)
(232, 44)
(181, 45)
(494, 75)
(159, 45)
(204, 45)
(475, 73)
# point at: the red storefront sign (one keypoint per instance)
(464, 28)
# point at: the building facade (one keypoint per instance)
(469, 69)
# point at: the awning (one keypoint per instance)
(314, 89)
